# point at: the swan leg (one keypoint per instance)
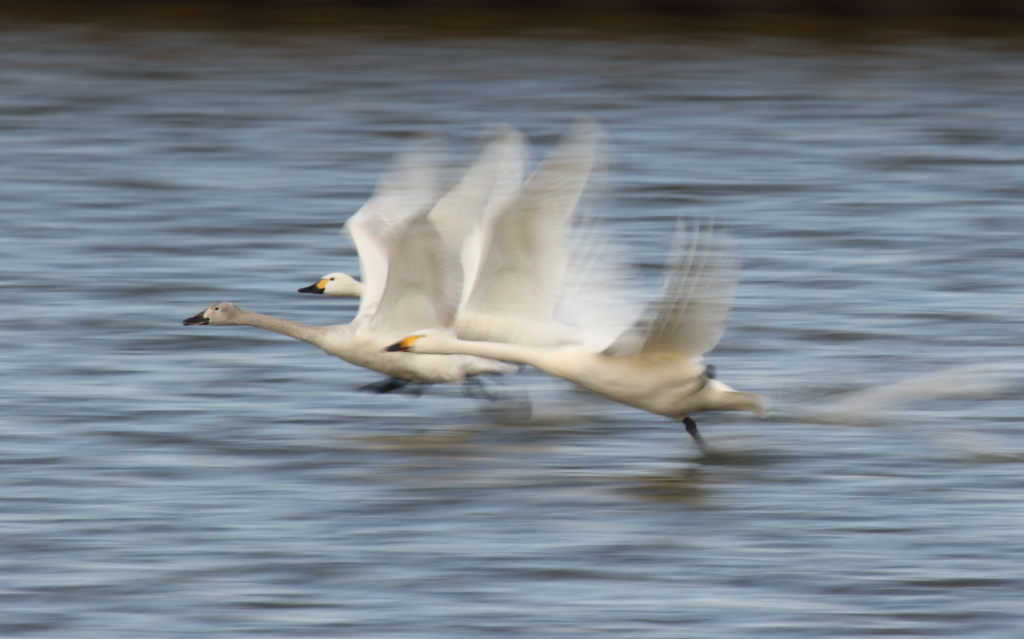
(691, 427)
(384, 386)
(475, 388)
(511, 407)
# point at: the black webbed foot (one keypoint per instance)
(691, 427)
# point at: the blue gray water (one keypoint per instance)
(170, 481)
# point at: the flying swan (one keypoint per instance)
(655, 364)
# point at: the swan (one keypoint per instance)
(511, 237)
(418, 290)
(655, 364)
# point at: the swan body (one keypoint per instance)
(655, 364)
(669, 386)
(356, 343)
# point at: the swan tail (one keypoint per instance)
(750, 402)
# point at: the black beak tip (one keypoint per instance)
(396, 347)
(196, 320)
(312, 288)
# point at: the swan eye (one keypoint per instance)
(216, 308)
(332, 279)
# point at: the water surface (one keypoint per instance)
(169, 481)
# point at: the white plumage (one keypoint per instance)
(655, 364)
(511, 237)
(409, 274)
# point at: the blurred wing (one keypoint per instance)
(523, 259)
(411, 183)
(408, 187)
(690, 317)
(602, 296)
(488, 185)
(423, 282)
(370, 234)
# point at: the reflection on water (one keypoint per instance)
(166, 482)
(678, 486)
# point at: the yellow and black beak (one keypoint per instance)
(315, 288)
(404, 345)
(199, 319)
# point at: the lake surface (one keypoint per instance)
(170, 481)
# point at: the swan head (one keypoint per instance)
(421, 342)
(218, 314)
(336, 285)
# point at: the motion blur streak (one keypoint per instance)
(166, 482)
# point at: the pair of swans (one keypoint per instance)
(413, 246)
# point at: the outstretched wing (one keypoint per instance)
(690, 316)
(409, 186)
(423, 281)
(523, 259)
(462, 216)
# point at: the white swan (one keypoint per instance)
(655, 365)
(511, 237)
(418, 290)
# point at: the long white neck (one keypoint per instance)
(312, 334)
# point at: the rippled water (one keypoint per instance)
(170, 481)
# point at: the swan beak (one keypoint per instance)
(199, 319)
(315, 288)
(403, 345)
